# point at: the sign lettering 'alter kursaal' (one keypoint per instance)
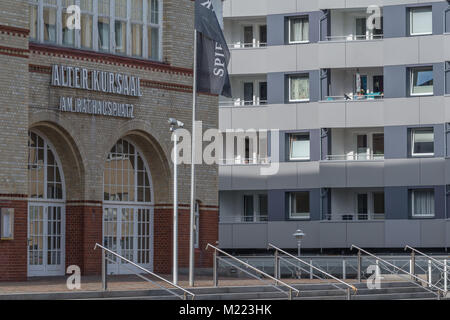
(100, 81)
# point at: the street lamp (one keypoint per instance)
(174, 125)
(299, 235)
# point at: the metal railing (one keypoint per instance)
(362, 37)
(105, 261)
(441, 266)
(242, 103)
(243, 45)
(354, 157)
(354, 216)
(217, 258)
(239, 160)
(311, 267)
(244, 219)
(412, 278)
(355, 97)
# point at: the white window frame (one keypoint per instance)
(411, 80)
(413, 215)
(413, 154)
(289, 30)
(305, 75)
(290, 207)
(39, 4)
(411, 20)
(290, 146)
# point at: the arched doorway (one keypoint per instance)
(46, 209)
(127, 208)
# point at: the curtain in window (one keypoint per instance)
(49, 25)
(68, 35)
(423, 204)
(421, 20)
(136, 45)
(299, 204)
(86, 31)
(136, 10)
(299, 29)
(423, 140)
(300, 146)
(299, 88)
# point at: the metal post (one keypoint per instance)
(412, 267)
(359, 266)
(215, 279)
(349, 296)
(104, 271)
(344, 274)
(311, 270)
(445, 275)
(275, 267)
(175, 210)
(429, 273)
(191, 222)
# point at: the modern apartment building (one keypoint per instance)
(355, 97)
(85, 147)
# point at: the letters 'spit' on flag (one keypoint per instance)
(213, 55)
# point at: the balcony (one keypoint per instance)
(351, 25)
(248, 91)
(243, 206)
(352, 84)
(354, 204)
(245, 33)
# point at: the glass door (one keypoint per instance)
(248, 36)
(46, 240)
(362, 147)
(362, 206)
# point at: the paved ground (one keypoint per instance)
(123, 282)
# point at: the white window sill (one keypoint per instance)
(301, 100)
(299, 159)
(421, 34)
(300, 218)
(421, 94)
(421, 155)
(298, 42)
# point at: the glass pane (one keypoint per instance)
(423, 202)
(153, 12)
(422, 81)
(153, 43)
(299, 204)
(49, 24)
(423, 141)
(299, 29)
(421, 20)
(300, 146)
(136, 40)
(248, 208)
(378, 202)
(103, 33)
(121, 39)
(263, 210)
(136, 10)
(378, 143)
(86, 5)
(299, 88)
(103, 7)
(121, 9)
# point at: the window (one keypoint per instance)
(378, 145)
(6, 224)
(125, 27)
(422, 81)
(263, 207)
(298, 30)
(361, 28)
(248, 208)
(422, 142)
(447, 77)
(299, 146)
(422, 203)
(378, 205)
(263, 36)
(248, 36)
(299, 88)
(299, 205)
(421, 21)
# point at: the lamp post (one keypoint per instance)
(174, 125)
(299, 235)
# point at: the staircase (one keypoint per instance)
(388, 291)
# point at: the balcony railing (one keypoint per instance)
(356, 97)
(354, 157)
(354, 216)
(241, 161)
(242, 45)
(355, 37)
(242, 103)
(244, 219)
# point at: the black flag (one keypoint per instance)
(213, 55)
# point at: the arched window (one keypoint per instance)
(126, 177)
(46, 209)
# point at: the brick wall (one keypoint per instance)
(13, 253)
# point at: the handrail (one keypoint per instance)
(315, 268)
(400, 269)
(425, 255)
(147, 271)
(255, 269)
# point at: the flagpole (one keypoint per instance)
(191, 225)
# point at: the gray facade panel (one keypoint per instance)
(366, 235)
(394, 21)
(432, 233)
(400, 233)
(395, 82)
(396, 203)
(251, 235)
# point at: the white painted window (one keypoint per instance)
(6, 224)
(298, 88)
(299, 145)
(421, 21)
(125, 27)
(422, 203)
(299, 205)
(298, 29)
(422, 141)
(421, 81)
